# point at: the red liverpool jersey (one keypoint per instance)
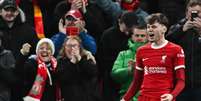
(159, 65)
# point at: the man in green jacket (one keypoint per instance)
(122, 71)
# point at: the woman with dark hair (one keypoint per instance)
(7, 77)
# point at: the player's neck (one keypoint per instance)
(160, 43)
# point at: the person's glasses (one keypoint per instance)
(72, 45)
(139, 35)
(11, 9)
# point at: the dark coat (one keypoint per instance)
(173, 9)
(7, 77)
(190, 41)
(29, 71)
(112, 42)
(16, 36)
(13, 39)
(78, 81)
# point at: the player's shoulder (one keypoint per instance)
(175, 48)
(173, 45)
(145, 46)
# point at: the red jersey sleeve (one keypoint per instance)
(179, 59)
(139, 65)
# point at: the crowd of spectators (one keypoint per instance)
(85, 50)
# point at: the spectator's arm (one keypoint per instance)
(120, 72)
(110, 8)
(135, 85)
(58, 40)
(175, 32)
(88, 42)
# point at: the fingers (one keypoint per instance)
(76, 4)
(187, 25)
(26, 45)
(166, 97)
(122, 100)
(75, 51)
(197, 22)
(62, 27)
(90, 56)
(131, 62)
(25, 48)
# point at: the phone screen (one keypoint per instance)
(72, 30)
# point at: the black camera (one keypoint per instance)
(194, 14)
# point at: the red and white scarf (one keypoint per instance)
(38, 87)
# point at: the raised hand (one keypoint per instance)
(25, 49)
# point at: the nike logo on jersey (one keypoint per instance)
(145, 59)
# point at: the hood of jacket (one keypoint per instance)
(134, 45)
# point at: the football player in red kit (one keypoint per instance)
(159, 72)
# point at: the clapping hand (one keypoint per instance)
(76, 57)
(131, 64)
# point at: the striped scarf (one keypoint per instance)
(38, 20)
(38, 87)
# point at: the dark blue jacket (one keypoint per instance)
(88, 41)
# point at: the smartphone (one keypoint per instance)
(72, 30)
(194, 14)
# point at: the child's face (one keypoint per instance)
(139, 35)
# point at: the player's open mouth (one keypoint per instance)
(151, 34)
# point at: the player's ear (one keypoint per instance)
(164, 29)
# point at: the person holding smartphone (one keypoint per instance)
(187, 33)
(73, 24)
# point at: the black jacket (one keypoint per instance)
(190, 42)
(17, 35)
(28, 73)
(13, 39)
(78, 81)
(112, 42)
(7, 77)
